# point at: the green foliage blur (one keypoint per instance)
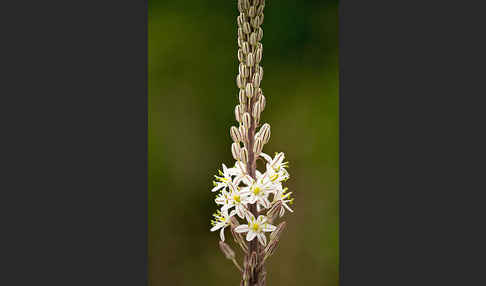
(192, 67)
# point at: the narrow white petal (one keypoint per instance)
(218, 187)
(216, 227)
(266, 157)
(241, 228)
(268, 227)
(287, 207)
(221, 234)
(250, 236)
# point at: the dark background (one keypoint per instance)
(192, 67)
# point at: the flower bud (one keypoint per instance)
(256, 80)
(256, 112)
(274, 238)
(241, 19)
(260, 34)
(242, 97)
(241, 33)
(260, 9)
(243, 70)
(259, 69)
(250, 59)
(244, 155)
(258, 147)
(246, 4)
(227, 251)
(241, 55)
(240, 82)
(237, 113)
(246, 120)
(265, 133)
(235, 151)
(245, 48)
(243, 133)
(253, 39)
(261, 17)
(246, 27)
(255, 22)
(258, 55)
(250, 90)
(235, 134)
(262, 101)
(252, 11)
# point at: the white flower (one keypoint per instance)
(284, 197)
(276, 168)
(256, 228)
(259, 190)
(237, 199)
(224, 179)
(221, 221)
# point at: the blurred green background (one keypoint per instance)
(192, 93)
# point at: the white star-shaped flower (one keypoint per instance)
(256, 228)
(224, 179)
(221, 221)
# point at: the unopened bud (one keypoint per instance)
(255, 22)
(240, 82)
(256, 112)
(261, 17)
(243, 132)
(246, 4)
(265, 133)
(256, 80)
(259, 55)
(227, 251)
(246, 28)
(235, 151)
(253, 39)
(262, 101)
(250, 90)
(250, 59)
(252, 11)
(242, 97)
(238, 112)
(244, 155)
(235, 134)
(241, 19)
(243, 70)
(260, 34)
(260, 9)
(246, 120)
(241, 33)
(258, 146)
(274, 239)
(245, 47)
(241, 55)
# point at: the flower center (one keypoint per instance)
(237, 198)
(256, 191)
(255, 227)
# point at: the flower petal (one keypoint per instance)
(268, 227)
(250, 236)
(221, 234)
(216, 227)
(241, 228)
